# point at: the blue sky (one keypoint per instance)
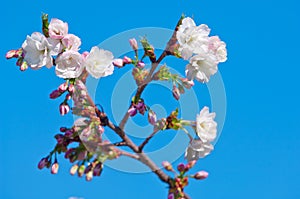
(257, 155)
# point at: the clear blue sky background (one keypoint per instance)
(257, 155)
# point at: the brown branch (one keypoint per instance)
(142, 156)
(154, 65)
(147, 140)
(125, 153)
(120, 143)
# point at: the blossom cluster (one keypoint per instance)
(203, 52)
(58, 47)
(55, 46)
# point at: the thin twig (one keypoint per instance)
(120, 143)
(125, 153)
(147, 140)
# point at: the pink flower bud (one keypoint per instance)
(71, 88)
(187, 83)
(62, 129)
(181, 167)
(85, 54)
(19, 61)
(127, 60)
(152, 117)
(55, 94)
(89, 176)
(132, 111)
(191, 164)
(73, 169)
(63, 87)
(141, 107)
(200, 175)
(43, 162)
(24, 66)
(80, 170)
(118, 63)
(133, 43)
(98, 169)
(59, 138)
(171, 196)
(64, 108)
(167, 166)
(176, 92)
(54, 168)
(12, 54)
(141, 64)
(68, 96)
(69, 133)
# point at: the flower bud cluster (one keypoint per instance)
(68, 87)
(181, 178)
(92, 169)
(136, 107)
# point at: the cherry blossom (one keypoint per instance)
(69, 64)
(206, 127)
(39, 50)
(198, 149)
(71, 42)
(192, 39)
(99, 62)
(201, 67)
(57, 29)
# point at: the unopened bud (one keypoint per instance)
(141, 64)
(167, 166)
(132, 111)
(71, 88)
(133, 43)
(24, 66)
(127, 60)
(181, 167)
(64, 108)
(63, 87)
(118, 63)
(68, 96)
(74, 169)
(152, 117)
(42, 163)
(55, 94)
(59, 138)
(62, 129)
(187, 83)
(80, 170)
(98, 169)
(176, 92)
(200, 175)
(12, 54)
(89, 176)
(85, 54)
(191, 164)
(54, 168)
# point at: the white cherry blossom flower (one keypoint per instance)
(197, 149)
(39, 50)
(57, 29)
(192, 39)
(201, 67)
(69, 64)
(206, 127)
(99, 62)
(71, 42)
(218, 48)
